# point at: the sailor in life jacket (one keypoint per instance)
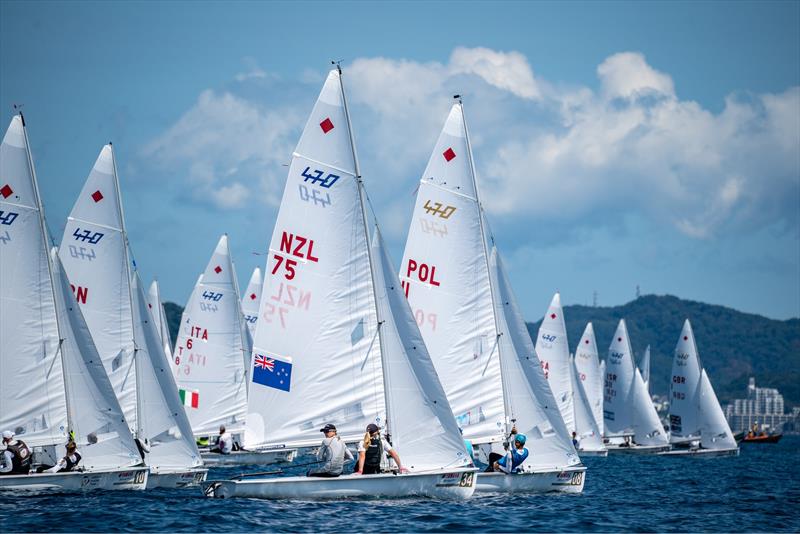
(16, 459)
(225, 443)
(511, 462)
(371, 451)
(69, 462)
(332, 454)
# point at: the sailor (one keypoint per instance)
(225, 443)
(371, 450)
(69, 462)
(333, 452)
(17, 456)
(511, 462)
(575, 442)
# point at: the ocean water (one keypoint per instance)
(757, 491)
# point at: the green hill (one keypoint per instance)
(733, 345)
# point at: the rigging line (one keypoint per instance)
(496, 342)
(371, 343)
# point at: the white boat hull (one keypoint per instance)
(568, 480)
(134, 478)
(456, 484)
(704, 453)
(638, 449)
(603, 453)
(176, 479)
(257, 457)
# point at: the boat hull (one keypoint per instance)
(257, 457)
(134, 478)
(568, 480)
(603, 453)
(177, 478)
(639, 449)
(457, 484)
(703, 453)
(773, 438)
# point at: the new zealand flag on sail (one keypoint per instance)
(271, 372)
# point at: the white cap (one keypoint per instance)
(7, 434)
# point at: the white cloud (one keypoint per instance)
(545, 153)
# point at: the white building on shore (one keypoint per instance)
(763, 406)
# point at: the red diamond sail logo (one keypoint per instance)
(6, 191)
(587, 341)
(97, 196)
(326, 125)
(619, 339)
(449, 154)
(252, 296)
(552, 315)
(217, 269)
(686, 338)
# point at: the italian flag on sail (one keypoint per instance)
(189, 398)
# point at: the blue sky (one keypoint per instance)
(617, 143)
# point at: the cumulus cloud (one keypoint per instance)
(544, 152)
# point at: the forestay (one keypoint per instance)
(530, 400)
(208, 358)
(161, 414)
(160, 317)
(684, 421)
(32, 401)
(251, 300)
(94, 254)
(552, 348)
(420, 419)
(589, 373)
(317, 353)
(445, 277)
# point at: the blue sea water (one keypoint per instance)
(758, 491)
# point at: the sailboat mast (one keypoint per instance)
(125, 252)
(506, 403)
(360, 185)
(45, 236)
(242, 328)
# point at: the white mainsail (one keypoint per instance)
(684, 420)
(162, 418)
(160, 316)
(467, 313)
(95, 257)
(590, 373)
(628, 407)
(29, 338)
(251, 299)
(644, 367)
(209, 368)
(552, 348)
(318, 320)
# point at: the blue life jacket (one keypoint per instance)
(516, 458)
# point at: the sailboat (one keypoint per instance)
(251, 301)
(160, 317)
(336, 341)
(209, 362)
(552, 347)
(697, 424)
(96, 255)
(53, 387)
(462, 300)
(631, 422)
(590, 373)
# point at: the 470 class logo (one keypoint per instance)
(437, 208)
